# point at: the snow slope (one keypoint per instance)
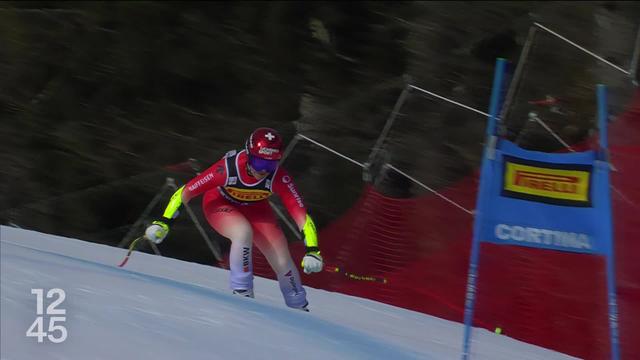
(161, 308)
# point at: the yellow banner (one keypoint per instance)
(550, 183)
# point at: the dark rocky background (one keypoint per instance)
(101, 101)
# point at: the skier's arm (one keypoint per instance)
(171, 211)
(209, 179)
(292, 200)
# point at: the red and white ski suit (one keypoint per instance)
(235, 205)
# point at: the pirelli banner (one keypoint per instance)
(545, 200)
(556, 201)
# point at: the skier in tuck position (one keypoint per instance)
(236, 189)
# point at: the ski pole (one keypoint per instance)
(356, 277)
(131, 248)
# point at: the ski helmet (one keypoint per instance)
(264, 143)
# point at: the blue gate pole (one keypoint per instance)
(603, 115)
(613, 307)
(496, 95)
(469, 302)
(485, 173)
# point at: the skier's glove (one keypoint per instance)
(157, 231)
(312, 261)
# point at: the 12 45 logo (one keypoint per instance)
(56, 332)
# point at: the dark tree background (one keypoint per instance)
(100, 100)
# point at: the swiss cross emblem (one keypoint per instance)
(269, 136)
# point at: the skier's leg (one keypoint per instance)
(231, 223)
(270, 240)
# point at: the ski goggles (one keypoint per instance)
(259, 164)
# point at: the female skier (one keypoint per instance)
(236, 189)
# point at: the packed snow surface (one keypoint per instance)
(161, 308)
